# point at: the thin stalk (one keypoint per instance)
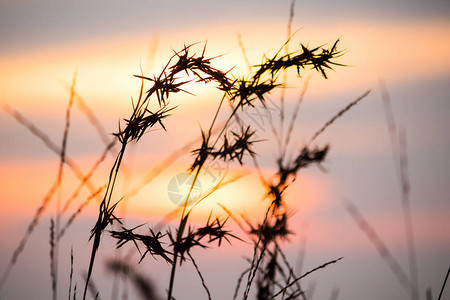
(399, 152)
(443, 285)
(180, 231)
(200, 275)
(304, 275)
(383, 251)
(283, 90)
(172, 275)
(407, 217)
(71, 272)
(104, 210)
(256, 262)
(338, 115)
(294, 116)
(59, 184)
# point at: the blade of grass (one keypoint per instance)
(294, 117)
(49, 144)
(151, 54)
(407, 216)
(280, 134)
(244, 53)
(95, 293)
(28, 232)
(78, 212)
(59, 184)
(236, 291)
(256, 260)
(338, 115)
(399, 151)
(200, 275)
(444, 284)
(304, 275)
(290, 269)
(71, 273)
(392, 127)
(89, 113)
(88, 176)
(53, 273)
(383, 251)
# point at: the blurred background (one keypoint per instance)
(397, 47)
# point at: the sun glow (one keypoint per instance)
(219, 189)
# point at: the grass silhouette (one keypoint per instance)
(269, 274)
(233, 146)
(217, 143)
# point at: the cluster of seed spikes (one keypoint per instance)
(269, 266)
(181, 69)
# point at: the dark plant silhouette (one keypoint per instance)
(175, 245)
(218, 142)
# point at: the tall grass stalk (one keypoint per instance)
(55, 244)
(53, 260)
(382, 249)
(444, 284)
(71, 273)
(398, 145)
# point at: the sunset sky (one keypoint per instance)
(404, 45)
